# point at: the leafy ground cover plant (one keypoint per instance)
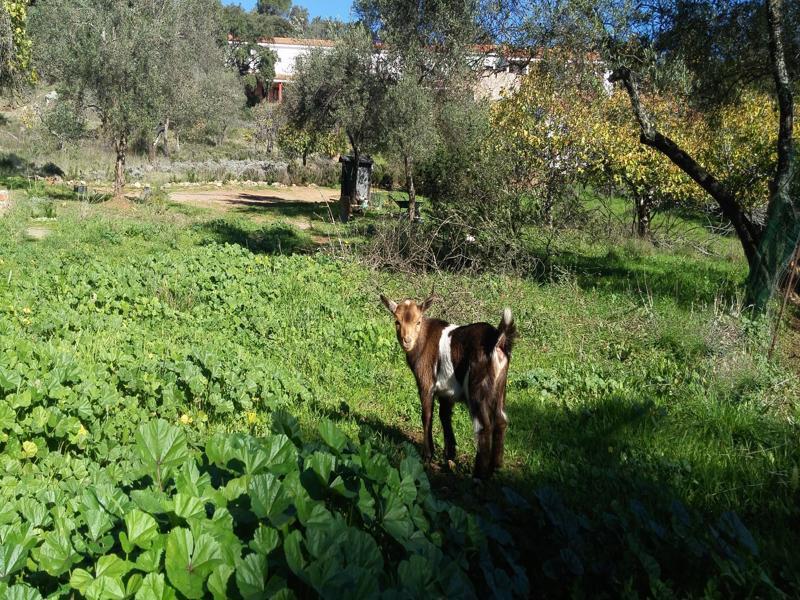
(246, 517)
(113, 323)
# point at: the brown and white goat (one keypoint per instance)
(451, 363)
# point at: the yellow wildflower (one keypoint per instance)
(251, 417)
(29, 449)
(186, 419)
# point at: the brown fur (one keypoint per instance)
(480, 355)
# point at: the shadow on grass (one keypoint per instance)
(271, 239)
(598, 515)
(686, 280)
(256, 204)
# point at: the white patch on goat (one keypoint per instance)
(476, 426)
(505, 417)
(499, 361)
(447, 385)
(507, 316)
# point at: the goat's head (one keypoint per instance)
(408, 316)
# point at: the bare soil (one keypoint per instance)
(236, 198)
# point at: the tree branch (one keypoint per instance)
(748, 232)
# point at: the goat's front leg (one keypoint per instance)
(426, 397)
(446, 417)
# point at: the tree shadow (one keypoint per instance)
(277, 238)
(252, 204)
(685, 280)
(590, 519)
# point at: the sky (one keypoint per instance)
(316, 8)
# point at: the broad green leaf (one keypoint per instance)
(112, 566)
(106, 588)
(218, 581)
(281, 454)
(188, 507)
(80, 580)
(150, 560)
(142, 528)
(251, 576)
(151, 502)
(154, 587)
(22, 592)
(133, 585)
(294, 553)
(14, 550)
(162, 448)
(265, 540)
(188, 481)
(98, 522)
(366, 504)
(396, 520)
(323, 465)
(269, 498)
(332, 435)
(189, 562)
(56, 555)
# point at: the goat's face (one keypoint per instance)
(408, 317)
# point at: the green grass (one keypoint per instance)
(635, 384)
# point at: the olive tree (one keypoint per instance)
(342, 88)
(410, 125)
(133, 63)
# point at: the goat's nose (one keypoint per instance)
(407, 340)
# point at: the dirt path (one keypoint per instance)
(256, 199)
(300, 206)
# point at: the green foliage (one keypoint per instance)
(247, 517)
(133, 64)
(64, 124)
(138, 351)
(15, 44)
(340, 90)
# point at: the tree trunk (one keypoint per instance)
(166, 138)
(783, 213)
(747, 231)
(121, 148)
(412, 193)
(642, 217)
(346, 202)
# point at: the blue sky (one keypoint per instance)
(316, 8)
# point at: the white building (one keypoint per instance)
(499, 73)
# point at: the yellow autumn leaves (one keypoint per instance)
(20, 59)
(591, 131)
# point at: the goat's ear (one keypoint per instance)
(389, 304)
(427, 303)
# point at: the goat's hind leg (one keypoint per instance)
(483, 426)
(498, 438)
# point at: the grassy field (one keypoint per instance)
(652, 448)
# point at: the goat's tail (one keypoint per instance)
(508, 332)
